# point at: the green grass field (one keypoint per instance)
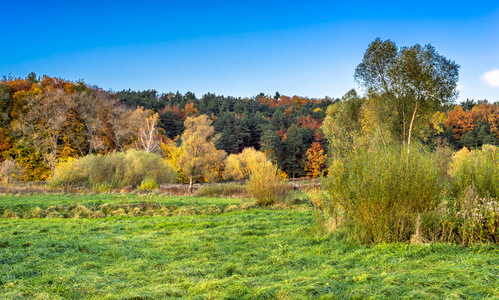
(244, 254)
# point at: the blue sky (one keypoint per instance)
(241, 48)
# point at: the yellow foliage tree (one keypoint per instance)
(199, 155)
(171, 154)
(238, 166)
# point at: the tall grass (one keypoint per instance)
(265, 185)
(382, 192)
(115, 170)
(479, 168)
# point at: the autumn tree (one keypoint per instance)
(199, 155)
(41, 125)
(316, 157)
(239, 166)
(118, 129)
(488, 113)
(145, 123)
(412, 81)
(88, 103)
(461, 121)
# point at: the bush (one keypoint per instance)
(464, 220)
(382, 192)
(148, 184)
(479, 168)
(476, 218)
(265, 185)
(113, 171)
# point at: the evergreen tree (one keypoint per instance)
(294, 149)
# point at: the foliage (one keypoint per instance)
(31, 161)
(199, 156)
(382, 192)
(148, 184)
(115, 170)
(461, 121)
(293, 162)
(410, 81)
(342, 125)
(96, 121)
(316, 160)
(238, 166)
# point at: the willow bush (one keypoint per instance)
(265, 185)
(381, 192)
(115, 170)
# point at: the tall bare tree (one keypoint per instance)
(41, 124)
(145, 124)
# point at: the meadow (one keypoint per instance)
(246, 252)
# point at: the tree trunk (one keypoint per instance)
(403, 129)
(190, 184)
(54, 160)
(410, 129)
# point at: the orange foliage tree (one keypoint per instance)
(488, 113)
(461, 121)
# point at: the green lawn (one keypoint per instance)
(254, 254)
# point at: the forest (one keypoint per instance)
(46, 120)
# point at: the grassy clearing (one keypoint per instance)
(256, 254)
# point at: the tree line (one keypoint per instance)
(408, 95)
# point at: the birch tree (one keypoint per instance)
(412, 81)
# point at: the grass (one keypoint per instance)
(101, 205)
(44, 200)
(254, 254)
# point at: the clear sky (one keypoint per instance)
(241, 48)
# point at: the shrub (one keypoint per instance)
(479, 168)
(70, 174)
(265, 185)
(382, 192)
(115, 170)
(148, 184)
(476, 218)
